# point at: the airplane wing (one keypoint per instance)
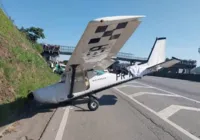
(101, 41)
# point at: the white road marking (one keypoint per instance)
(137, 94)
(153, 93)
(169, 111)
(196, 101)
(163, 118)
(135, 86)
(121, 86)
(63, 123)
(138, 86)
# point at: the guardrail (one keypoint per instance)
(190, 77)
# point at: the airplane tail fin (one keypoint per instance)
(157, 54)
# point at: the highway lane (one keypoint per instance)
(149, 108)
(183, 87)
(115, 119)
(160, 114)
(174, 101)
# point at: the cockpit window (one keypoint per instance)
(99, 72)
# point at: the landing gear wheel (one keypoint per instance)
(93, 104)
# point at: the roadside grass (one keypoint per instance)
(22, 69)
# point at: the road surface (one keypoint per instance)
(151, 108)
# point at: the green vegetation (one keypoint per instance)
(33, 33)
(22, 69)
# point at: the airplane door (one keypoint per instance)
(81, 82)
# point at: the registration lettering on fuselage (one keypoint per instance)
(121, 76)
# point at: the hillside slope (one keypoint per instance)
(22, 69)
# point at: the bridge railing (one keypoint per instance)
(70, 49)
(126, 55)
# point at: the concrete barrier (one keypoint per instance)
(191, 77)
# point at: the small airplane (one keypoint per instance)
(86, 74)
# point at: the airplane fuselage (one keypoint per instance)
(59, 92)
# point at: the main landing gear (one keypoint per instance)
(93, 103)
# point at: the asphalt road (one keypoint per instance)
(151, 108)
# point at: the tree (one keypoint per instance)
(22, 29)
(33, 33)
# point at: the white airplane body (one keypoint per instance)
(101, 41)
(57, 93)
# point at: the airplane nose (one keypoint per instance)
(34, 96)
(49, 94)
(37, 96)
(30, 96)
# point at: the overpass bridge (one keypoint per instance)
(68, 50)
(54, 50)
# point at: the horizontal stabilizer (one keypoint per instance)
(169, 63)
(166, 64)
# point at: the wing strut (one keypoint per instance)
(72, 81)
